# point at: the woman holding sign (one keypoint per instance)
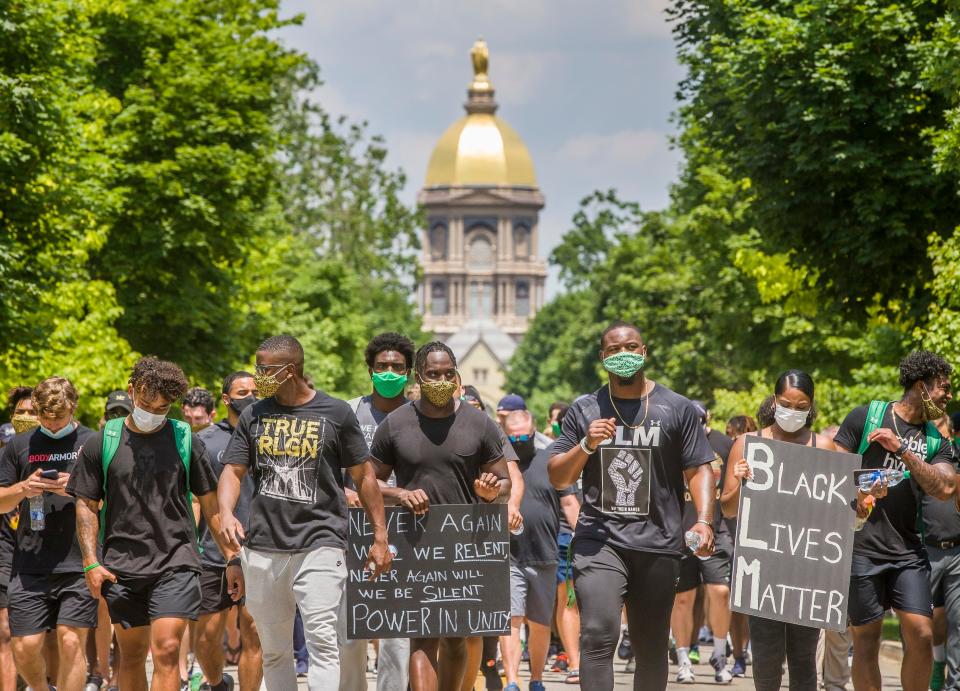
(774, 640)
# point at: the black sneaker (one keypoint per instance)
(625, 651)
(94, 682)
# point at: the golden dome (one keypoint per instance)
(480, 148)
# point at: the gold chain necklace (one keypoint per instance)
(620, 415)
(896, 429)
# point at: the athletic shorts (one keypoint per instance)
(533, 591)
(4, 585)
(134, 602)
(41, 602)
(564, 565)
(214, 592)
(877, 586)
(714, 570)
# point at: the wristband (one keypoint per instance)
(91, 567)
(586, 449)
(904, 447)
(707, 523)
(234, 562)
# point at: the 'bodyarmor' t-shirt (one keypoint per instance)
(891, 534)
(55, 548)
(297, 456)
(633, 484)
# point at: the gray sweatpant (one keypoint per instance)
(277, 583)
(393, 662)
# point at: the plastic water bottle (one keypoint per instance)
(518, 531)
(891, 476)
(37, 518)
(869, 501)
(694, 540)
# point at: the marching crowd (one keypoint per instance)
(204, 543)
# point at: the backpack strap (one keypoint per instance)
(183, 438)
(875, 414)
(934, 439)
(111, 442)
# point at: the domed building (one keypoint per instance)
(482, 278)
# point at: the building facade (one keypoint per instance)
(483, 280)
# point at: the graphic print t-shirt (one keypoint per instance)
(890, 534)
(633, 484)
(55, 548)
(941, 520)
(442, 456)
(721, 445)
(149, 526)
(297, 456)
(215, 438)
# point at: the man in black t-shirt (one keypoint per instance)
(636, 444)
(296, 442)
(443, 451)
(890, 567)
(144, 468)
(47, 591)
(533, 554)
(237, 393)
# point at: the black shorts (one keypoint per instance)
(213, 590)
(4, 584)
(138, 601)
(714, 570)
(41, 602)
(877, 586)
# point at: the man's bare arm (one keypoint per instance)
(88, 527)
(211, 514)
(936, 479)
(570, 506)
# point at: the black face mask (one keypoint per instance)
(525, 450)
(238, 405)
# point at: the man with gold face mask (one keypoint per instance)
(297, 442)
(443, 451)
(22, 417)
(890, 566)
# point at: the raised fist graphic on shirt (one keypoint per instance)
(625, 472)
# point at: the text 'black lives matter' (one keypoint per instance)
(450, 575)
(794, 537)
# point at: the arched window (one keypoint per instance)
(523, 299)
(438, 298)
(438, 241)
(521, 242)
(480, 252)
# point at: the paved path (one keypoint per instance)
(624, 682)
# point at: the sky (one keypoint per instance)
(589, 86)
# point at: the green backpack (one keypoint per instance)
(183, 437)
(875, 414)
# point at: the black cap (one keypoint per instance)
(118, 399)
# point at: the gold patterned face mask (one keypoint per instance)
(438, 393)
(23, 422)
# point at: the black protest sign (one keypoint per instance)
(794, 537)
(450, 575)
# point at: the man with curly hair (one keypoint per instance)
(145, 468)
(890, 566)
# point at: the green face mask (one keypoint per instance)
(624, 364)
(389, 384)
(555, 426)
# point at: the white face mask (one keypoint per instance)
(146, 422)
(790, 420)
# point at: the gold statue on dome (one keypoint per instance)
(481, 58)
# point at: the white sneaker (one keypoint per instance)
(685, 674)
(723, 676)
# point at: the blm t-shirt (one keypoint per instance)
(890, 534)
(633, 484)
(721, 445)
(54, 549)
(442, 456)
(540, 508)
(149, 526)
(297, 455)
(941, 521)
(215, 438)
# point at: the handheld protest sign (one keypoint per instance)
(794, 542)
(450, 575)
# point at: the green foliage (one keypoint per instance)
(166, 187)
